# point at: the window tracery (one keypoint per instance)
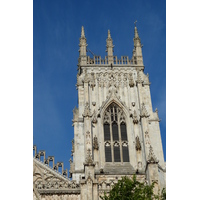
(115, 135)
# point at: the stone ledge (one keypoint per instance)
(59, 191)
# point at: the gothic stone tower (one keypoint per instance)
(116, 132)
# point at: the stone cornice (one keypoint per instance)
(59, 191)
(102, 66)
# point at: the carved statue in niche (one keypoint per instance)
(95, 143)
(92, 82)
(135, 118)
(94, 120)
(87, 111)
(131, 82)
(138, 144)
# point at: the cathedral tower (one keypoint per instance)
(116, 132)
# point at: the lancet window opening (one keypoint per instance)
(115, 135)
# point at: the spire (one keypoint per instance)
(109, 48)
(137, 51)
(82, 49)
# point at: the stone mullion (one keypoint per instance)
(100, 132)
(111, 138)
(120, 139)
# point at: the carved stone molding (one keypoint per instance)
(88, 160)
(47, 180)
(144, 112)
(139, 76)
(107, 79)
(151, 157)
(87, 111)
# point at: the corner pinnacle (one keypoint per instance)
(82, 32)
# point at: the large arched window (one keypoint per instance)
(115, 135)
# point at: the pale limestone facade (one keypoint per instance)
(110, 91)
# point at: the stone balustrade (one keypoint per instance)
(124, 60)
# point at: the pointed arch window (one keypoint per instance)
(115, 135)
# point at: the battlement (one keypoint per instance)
(50, 160)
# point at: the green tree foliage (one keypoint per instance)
(131, 189)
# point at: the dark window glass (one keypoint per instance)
(108, 154)
(106, 132)
(115, 131)
(123, 131)
(125, 154)
(117, 154)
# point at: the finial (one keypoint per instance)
(109, 36)
(82, 32)
(135, 22)
(136, 32)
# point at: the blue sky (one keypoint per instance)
(56, 33)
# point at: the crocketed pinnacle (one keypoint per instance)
(82, 32)
(136, 32)
(136, 38)
(109, 48)
(109, 41)
(109, 36)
